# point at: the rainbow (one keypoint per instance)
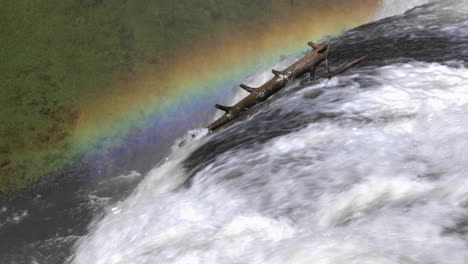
(202, 72)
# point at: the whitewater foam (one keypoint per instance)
(389, 8)
(374, 172)
(337, 191)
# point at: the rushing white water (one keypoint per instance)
(380, 178)
(393, 192)
(395, 7)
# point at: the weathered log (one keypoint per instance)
(307, 64)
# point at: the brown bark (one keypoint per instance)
(307, 64)
(343, 69)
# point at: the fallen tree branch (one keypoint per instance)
(342, 69)
(307, 64)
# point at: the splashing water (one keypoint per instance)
(368, 167)
(395, 7)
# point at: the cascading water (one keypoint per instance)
(368, 167)
(394, 7)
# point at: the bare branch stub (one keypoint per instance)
(247, 88)
(275, 72)
(223, 108)
(343, 69)
(307, 64)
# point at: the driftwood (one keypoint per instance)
(307, 64)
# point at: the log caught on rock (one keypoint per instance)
(307, 64)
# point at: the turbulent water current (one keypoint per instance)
(369, 167)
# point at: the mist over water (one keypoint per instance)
(368, 167)
(395, 7)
